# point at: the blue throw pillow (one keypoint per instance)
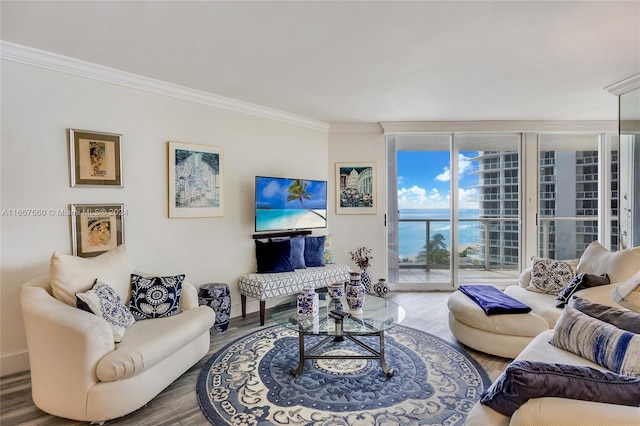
(314, 251)
(580, 282)
(297, 253)
(155, 297)
(523, 380)
(273, 256)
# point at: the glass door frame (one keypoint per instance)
(528, 180)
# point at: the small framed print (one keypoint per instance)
(95, 158)
(196, 187)
(96, 228)
(356, 188)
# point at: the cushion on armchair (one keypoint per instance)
(104, 302)
(72, 274)
(155, 297)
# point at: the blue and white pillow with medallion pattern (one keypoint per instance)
(155, 297)
(104, 302)
(551, 276)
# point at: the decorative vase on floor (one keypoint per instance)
(218, 298)
(365, 278)
(381, 287)
(356, 293)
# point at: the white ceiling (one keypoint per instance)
(357, 61)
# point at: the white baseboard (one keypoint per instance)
(14, 363)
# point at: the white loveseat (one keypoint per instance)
(621, 266)
(78, 371)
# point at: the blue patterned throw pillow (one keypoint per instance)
(603, 343)
(104, 302)
(155, 297)
(551, 276)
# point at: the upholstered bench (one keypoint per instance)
(503, 335)
(280, 284)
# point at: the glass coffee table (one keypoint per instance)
(378, 315)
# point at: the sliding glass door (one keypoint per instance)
(458, 217)
(457, 209)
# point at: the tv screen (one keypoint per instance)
(284, 204)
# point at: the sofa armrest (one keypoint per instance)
(525, 278)
(189, 296)
(65, 344)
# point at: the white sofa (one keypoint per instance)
(77, 369)
(620, 266)
(507, 335)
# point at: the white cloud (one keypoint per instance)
(468, 198)
(445, 176)
(412, 198)
(419, 198)
(271, 189)
(465, 165)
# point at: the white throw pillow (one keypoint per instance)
(618, 265)
(104, 302)
(627, 294)
(72, 274)
(551, 276)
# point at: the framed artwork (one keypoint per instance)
(95, 158)
(195, 180)
(96, 228)
(356, 188)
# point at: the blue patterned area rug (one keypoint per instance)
(248, 382)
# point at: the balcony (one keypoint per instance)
(496, 266)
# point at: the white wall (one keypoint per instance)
(38, 105)
(352, 231)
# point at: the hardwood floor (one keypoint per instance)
(178, 404)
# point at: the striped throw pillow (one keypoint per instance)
(603, 343)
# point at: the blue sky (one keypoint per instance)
(424, 178)
(272, 193)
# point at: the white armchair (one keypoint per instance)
(79, 372)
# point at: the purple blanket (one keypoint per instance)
(493, 301)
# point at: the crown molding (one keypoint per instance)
(55, 62)
(398, 127)
(355, 128)
(624, 86)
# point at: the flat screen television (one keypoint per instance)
(286, 204)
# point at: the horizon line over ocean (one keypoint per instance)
(412, 235)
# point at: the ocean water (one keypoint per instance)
(412, 235)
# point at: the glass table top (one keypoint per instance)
(377, 315)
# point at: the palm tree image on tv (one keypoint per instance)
(298, 191)
(284, 204)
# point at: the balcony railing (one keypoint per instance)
(479, 256)
(501, 251)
